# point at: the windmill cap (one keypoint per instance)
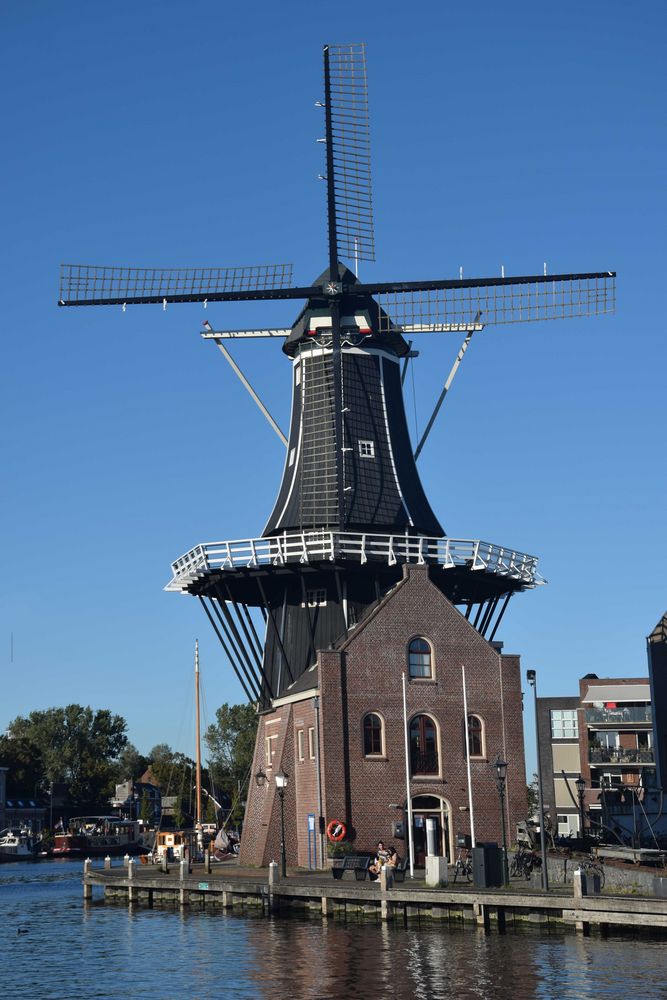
(360, 306)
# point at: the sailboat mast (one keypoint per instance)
(198, 734)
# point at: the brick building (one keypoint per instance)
(339, 734)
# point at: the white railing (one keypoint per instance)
(316, 546)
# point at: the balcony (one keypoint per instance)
(422, 764)
(617, 755)
(621, 716)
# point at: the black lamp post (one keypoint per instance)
(501, 768)
(581, 787)
(281, 784)
(531, 677)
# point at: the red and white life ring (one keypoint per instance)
(336, 831)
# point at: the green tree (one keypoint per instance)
(231, 745)
(162, 762)
(211, 815)
(75, 745)
(179, 817)
(146, 809)
(131, 763)
(533, 797)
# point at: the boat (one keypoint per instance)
(191, 842)
(17, 844)
(99, 837)
(175, 845)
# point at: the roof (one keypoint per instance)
(659, 633)
(616, 693)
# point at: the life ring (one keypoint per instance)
(336, 831)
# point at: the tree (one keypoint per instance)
(75, 745)
(231, 744)
(131, 764)
(179, 817)
(146, 809)
(211, 815)
(533, 797)
(161, 759)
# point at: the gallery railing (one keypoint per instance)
(314, 546)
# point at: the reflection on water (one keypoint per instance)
(68, 950)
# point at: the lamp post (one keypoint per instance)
(531, 677)
(501, 769)
(281, 784)
(581, 786)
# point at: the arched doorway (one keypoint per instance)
(431, 807)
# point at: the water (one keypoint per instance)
(108, 951)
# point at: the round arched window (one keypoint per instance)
(475, 741)
(372, 735)
(423, 745)
(420, 658)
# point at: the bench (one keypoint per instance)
(357, 863)
(400, 870)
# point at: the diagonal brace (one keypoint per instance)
(446, 388)
(244, 381)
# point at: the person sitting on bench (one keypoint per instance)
(381, 858)
(393, 858)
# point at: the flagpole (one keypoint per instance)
(467, 732)
(198, 737)
(411, 849)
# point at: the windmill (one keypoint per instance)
(351, 510)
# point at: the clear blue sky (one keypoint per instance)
(161, 133)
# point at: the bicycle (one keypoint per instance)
(523, 863)
(463, 867)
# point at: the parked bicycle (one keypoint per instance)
(463, 867)
(523, 863)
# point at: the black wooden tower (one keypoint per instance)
(351, 509)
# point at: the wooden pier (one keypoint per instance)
(228, 886)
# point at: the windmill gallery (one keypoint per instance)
(382, 690)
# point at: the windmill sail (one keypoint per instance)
(90, 284)
(466, 304)
(349, 155)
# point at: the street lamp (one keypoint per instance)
(260, 778)
(281, 785)
(501, 769)
(531, 677)
(581, 787)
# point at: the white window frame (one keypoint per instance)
(316, 598)
(270, 749)
(564, 724)
(299, 742)
(382, 755)
(311, 742)
(366, 449)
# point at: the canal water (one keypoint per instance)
(53, 946)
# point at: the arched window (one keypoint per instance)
(373, 735)
(423, 746)
(475, 736)
(420, 658)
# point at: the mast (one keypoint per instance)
(198, 734)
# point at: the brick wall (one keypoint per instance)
(365, 675)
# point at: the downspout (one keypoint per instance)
(320, 815)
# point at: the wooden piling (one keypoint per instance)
(87, 887)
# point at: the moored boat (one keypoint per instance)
(17, 844)
(99, 836)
